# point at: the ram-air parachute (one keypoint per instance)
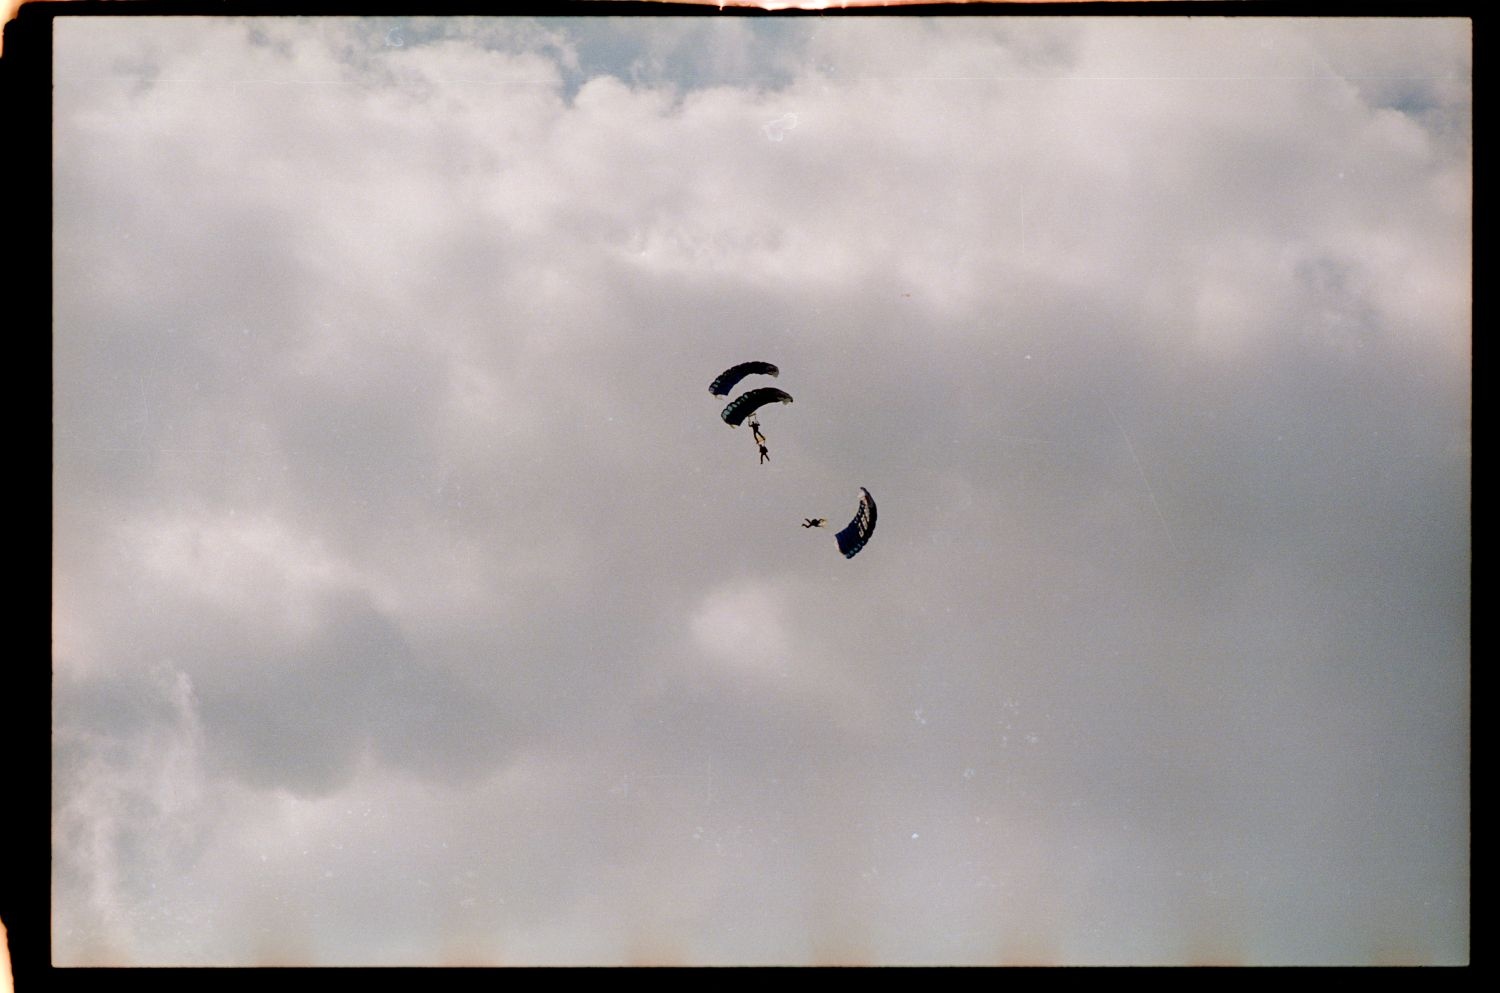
(748, 403)
(730, 377)
(853, 537)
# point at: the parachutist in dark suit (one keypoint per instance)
(764, 454)
(814, 522)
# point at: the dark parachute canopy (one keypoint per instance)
(731, 376)
(853, 537)
(746, 404)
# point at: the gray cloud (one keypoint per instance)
(413, 605)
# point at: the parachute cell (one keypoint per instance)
(746, 404)
(730, 377)
(853, 537)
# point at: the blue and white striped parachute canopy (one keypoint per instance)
(730, 377)
(853, 537)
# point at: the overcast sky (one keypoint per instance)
(413, 605)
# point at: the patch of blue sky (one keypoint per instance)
(684, 53)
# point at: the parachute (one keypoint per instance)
(857, 534)
(746, 404)
(727, 380)
(853, 537)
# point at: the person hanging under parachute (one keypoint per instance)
(760, 439)
(745, 405)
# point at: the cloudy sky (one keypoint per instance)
(413, 605)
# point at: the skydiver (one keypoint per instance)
(764, 454)
(760, 439)
(814, 522)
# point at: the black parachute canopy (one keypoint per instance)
(853, 537)
(746, 404)
(731, 376)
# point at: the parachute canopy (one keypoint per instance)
(731, 376)
(746, 404)
(853, 537)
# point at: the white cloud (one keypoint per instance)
(742, 626)
(381, 424)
